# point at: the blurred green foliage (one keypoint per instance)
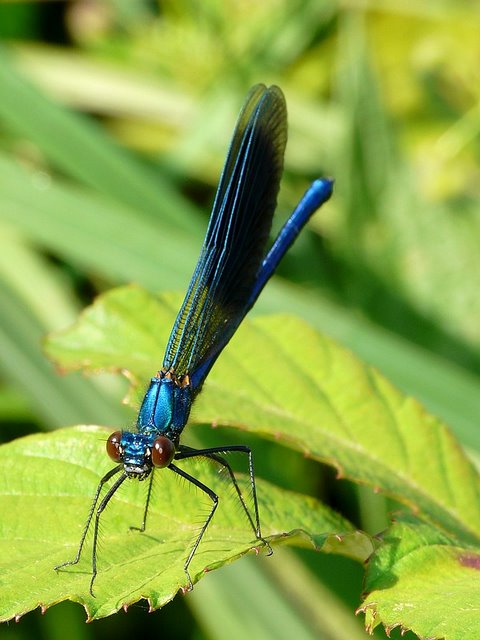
(114, 122)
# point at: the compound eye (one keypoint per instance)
(163, 451)
(114, 449)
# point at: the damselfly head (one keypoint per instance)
(140, 452)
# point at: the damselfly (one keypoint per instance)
(231, 272)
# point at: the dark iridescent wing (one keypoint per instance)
(234, 246)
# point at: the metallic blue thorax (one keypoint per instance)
(165, 407)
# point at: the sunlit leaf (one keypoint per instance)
(46, 487)
(424, 580)
(281, 379)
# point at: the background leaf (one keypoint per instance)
(408, 579)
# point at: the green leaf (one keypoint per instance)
(424, 580)
(82, 150)
(47, 484)
(57, 400)
(107, 237)
(98, 87)
(281, 379)
(287, 589)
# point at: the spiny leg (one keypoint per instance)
(106, 499)
(147, 503)
(211, 452)
(105, 479)
(189, 452)
(214, 498)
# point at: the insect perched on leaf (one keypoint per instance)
(232, 270)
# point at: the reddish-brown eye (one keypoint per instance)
(113, 446)
(163, 451)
